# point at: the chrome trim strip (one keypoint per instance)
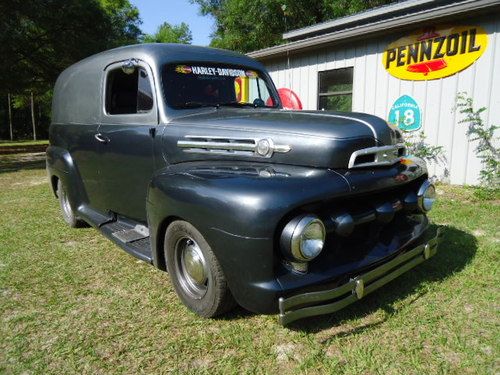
(384, 155)
(358, 287)
(216, 145)
(282, 148)
(223, 145)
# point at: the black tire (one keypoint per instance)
(208, 298)
(67, 212)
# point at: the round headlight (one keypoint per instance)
(426, 196)
(303, 238)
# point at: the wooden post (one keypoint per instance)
(10, 118)
(33, 115)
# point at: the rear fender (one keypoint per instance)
(60, 165)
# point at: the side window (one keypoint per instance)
(258, 90)
(128, 93)
(251, 90)
(335, 90)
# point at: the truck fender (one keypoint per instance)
(60, 165)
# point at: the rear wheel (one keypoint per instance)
(195, 271)
(67, 212)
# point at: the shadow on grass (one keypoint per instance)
(17, 162)
(456, 250)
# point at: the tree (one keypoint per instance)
(245, 26)
(39, 38)
(167, 33)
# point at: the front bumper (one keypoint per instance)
(306, 304)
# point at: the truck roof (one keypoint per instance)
(77, 96)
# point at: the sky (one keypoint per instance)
(154, 12)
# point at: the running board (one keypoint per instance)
(131, 237)
(138, 232)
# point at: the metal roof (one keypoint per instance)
(398, 15)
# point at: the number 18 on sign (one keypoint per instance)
(405, 114)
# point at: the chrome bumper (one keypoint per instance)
(356, 288)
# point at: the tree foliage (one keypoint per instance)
(245, 26)
(40, 38)
(167, 33)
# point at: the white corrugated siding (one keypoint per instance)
(375, 90)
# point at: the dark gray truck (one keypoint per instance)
(184, 157)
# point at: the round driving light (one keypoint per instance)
(426, 196)
(303, 238)
(263, 147)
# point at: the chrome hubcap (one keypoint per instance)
(192, 267)
(194, 264)
(65, 203)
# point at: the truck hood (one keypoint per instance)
(307, 138)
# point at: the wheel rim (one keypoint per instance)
(191, 267)
(65, 203)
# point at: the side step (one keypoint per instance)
(139, 232)
(131, 237)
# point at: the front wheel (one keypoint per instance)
(195, 271)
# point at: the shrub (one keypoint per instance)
(484, 134)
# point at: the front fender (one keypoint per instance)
(239, 206)
(237, 209)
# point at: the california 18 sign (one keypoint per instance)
(435, 53)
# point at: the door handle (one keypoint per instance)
(101, 138)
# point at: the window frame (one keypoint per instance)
(147, 118)
(334, 93)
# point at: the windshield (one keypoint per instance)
(193, 85)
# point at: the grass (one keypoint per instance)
(72, 302)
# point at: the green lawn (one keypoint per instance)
(73, 302)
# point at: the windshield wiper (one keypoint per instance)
(236, 104)
(198, 105)
(195, 104)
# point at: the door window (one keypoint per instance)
(128, 93)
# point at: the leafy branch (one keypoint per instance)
(478, 131)
(417, 146)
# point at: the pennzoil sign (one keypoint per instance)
(435, 53)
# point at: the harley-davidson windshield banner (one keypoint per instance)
(215, 71)
(435, 53)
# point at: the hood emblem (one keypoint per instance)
(264, 147)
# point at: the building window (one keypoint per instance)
(335, 90)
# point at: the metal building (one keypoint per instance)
(405, 62)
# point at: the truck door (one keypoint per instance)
(126, 132)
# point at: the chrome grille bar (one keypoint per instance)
(377, 156)
(224, 146)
